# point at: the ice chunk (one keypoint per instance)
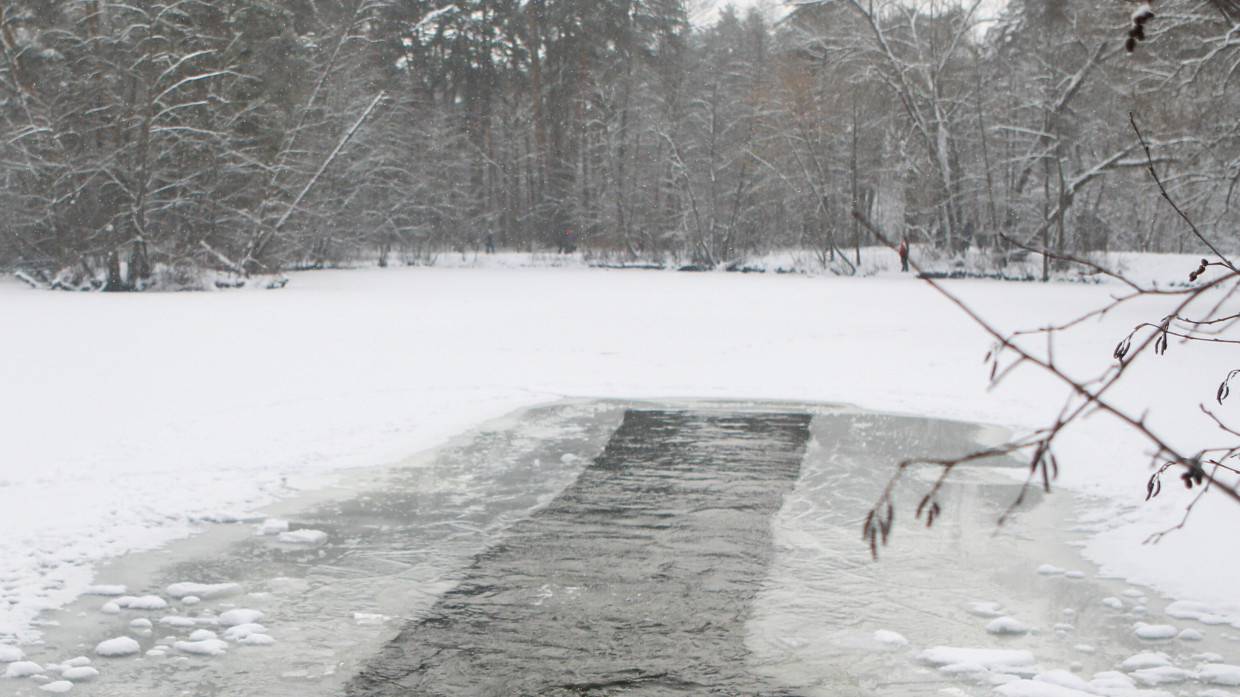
(178, 621)
(257, 640)
(998, 659)
(23, 669)
(120, 646)
(8, 653)
(1008, 626)
(304, 536)
(966, 668)
(1085, 648)
(889, 638)
(241, 631)
(369, 619)
(1220, 674)
(273, 526)
(202, 635)
(1190, 635)
(1113, 603)
(57, 687)
(1049, 570)
(1075, 575)
(1145, 659)
(191, 600)
(80, 674)
(140, 623)
(233, 618)
(208, 647)
(1163, 675)
(77, 662)
(983, 608)
(110, 608)
(1111, 680)
(1154, 632)
(145, 602)
(1063, 678)
(209, 591)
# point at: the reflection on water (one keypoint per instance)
(701, 548)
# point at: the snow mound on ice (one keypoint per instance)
(1163, 675)
(208, 591)
(272, 526)
(1064, 678)
(179, 621)
(241, 631)
(57, 687)
(23, 669)
(891, 639)
(145, 602)
(303, 537)
(1146, 659)
(988, 658)
(240, 616)
(207, 647)
(257, 640)
(1220, 674)
(8, 653)
(120, 646)
(80, 674)
(1154, 632)
(983, 608)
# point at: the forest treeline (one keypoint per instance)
(147, 141)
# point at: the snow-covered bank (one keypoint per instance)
(127, 419)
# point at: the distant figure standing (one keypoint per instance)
(902, 250)
(490, 243)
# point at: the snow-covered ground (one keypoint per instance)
(127, 420)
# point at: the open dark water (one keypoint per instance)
(637, 580)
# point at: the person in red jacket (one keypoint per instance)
(902, 250)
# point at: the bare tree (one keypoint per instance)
(1199, 315)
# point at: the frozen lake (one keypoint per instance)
(630, 548)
